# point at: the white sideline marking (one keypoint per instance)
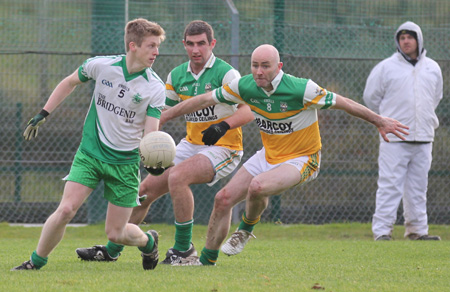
(42, 224)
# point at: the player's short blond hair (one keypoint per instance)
(136, 30)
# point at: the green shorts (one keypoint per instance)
(121, 180)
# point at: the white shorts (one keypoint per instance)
(309, 166)
(223, 160)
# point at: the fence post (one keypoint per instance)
(234, 34)
(18, 154)
(278, 36)
(278, 29)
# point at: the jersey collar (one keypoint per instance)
(122, 63)
(208, 64)
(275, 82)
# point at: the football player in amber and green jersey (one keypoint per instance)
(285, 108)
(182, 84)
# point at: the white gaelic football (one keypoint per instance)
(157, 149)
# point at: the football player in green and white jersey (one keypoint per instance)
(127, 102)
(285, 108)
(199, 158)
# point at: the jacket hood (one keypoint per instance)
(409, 25)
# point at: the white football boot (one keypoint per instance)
(236, 243)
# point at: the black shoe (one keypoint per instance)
(383, 237)
(414, 236)
(28, 265)
(150, 260)
(174, 256)
(95, 253)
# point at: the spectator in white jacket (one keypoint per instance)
(407, 87)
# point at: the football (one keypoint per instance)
(157, 149)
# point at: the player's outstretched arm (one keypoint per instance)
(384, 125)
(61, 91)
(188, 106)
(242, 116)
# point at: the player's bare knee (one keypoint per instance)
(255, 189)
(146, 188)
(223, 200)
(176, 177)
(66, 213)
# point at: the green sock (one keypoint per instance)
(149, 247)
(38, 261)
(209, 256)
(247, 224)
(183, 235)
(114, 249)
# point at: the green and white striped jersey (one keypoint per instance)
(120, 103)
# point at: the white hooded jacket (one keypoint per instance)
(410, 94)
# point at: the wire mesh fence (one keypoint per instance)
(335, 43)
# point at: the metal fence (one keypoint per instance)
(335, 43)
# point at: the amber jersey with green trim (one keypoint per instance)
(286, 116)
(182, 84)
(120, 104)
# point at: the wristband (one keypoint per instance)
(44, 113)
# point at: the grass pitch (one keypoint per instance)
(329, 258)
